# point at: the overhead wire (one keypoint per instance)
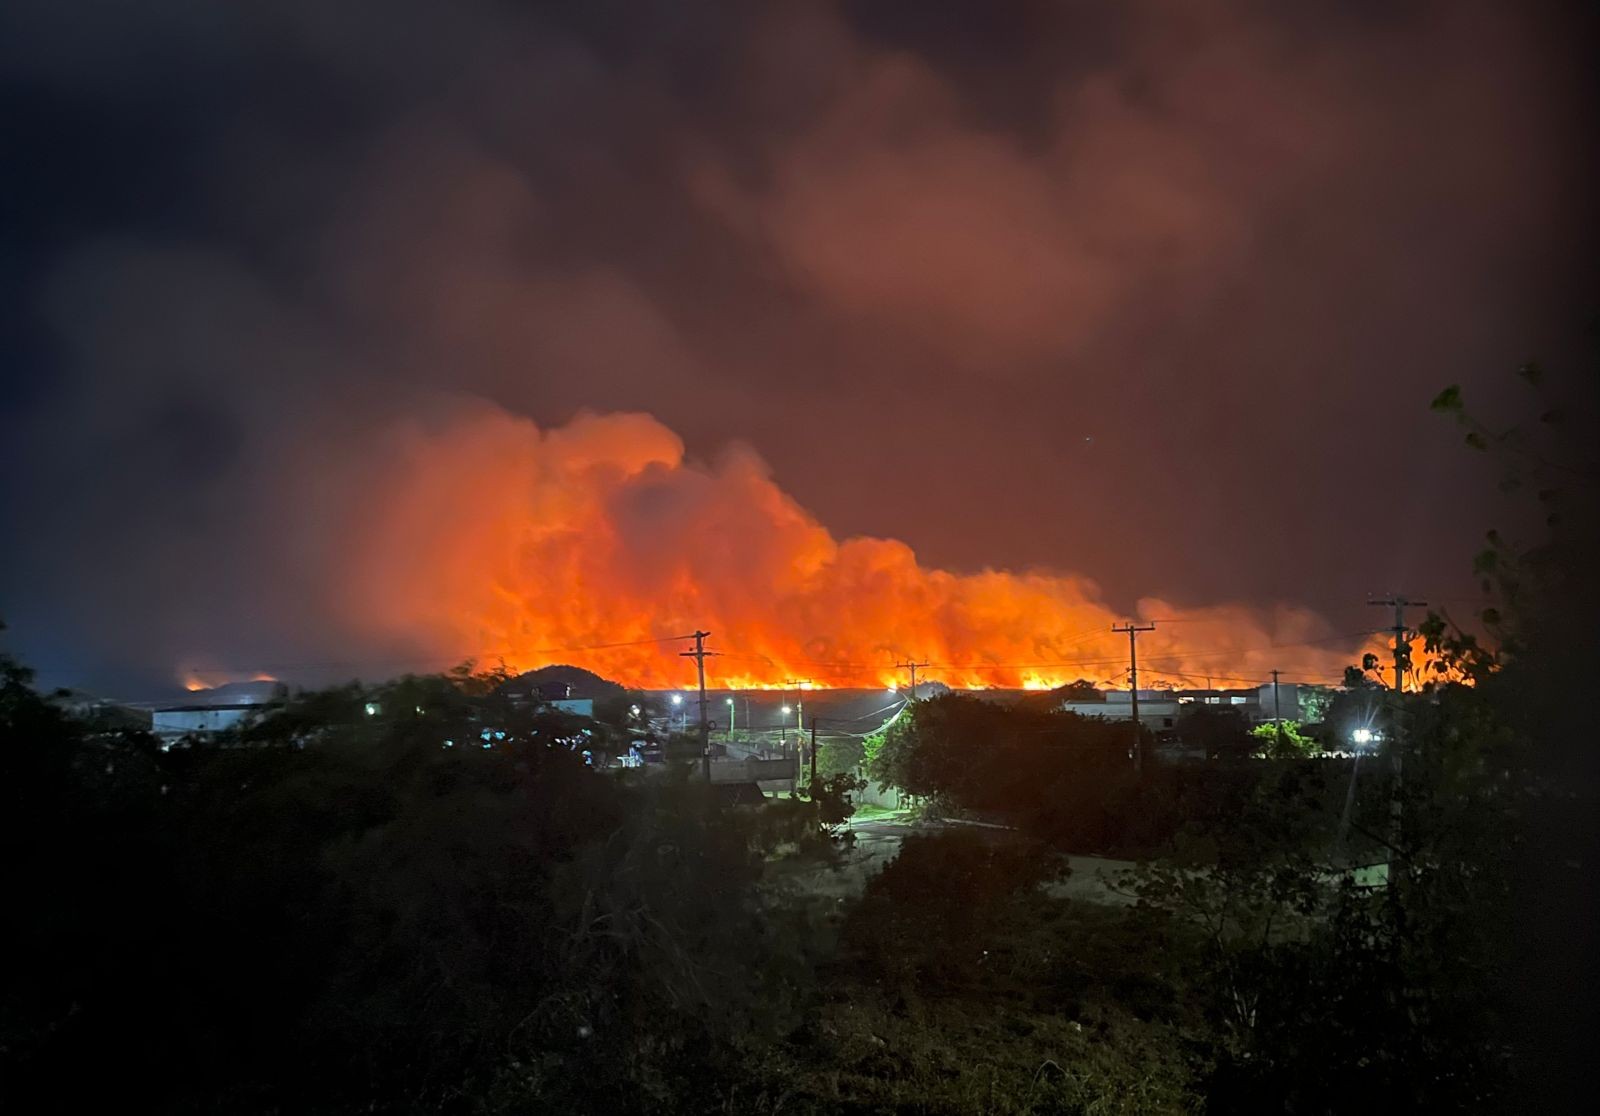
(420, 660)
(834, 667)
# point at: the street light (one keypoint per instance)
(1363, 736)
(731, 712)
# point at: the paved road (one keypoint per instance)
(1092, 879)
(878, 840)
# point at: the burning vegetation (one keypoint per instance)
(599, 543)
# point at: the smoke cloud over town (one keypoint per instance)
(351, 370)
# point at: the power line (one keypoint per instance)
(987, 666)
(420, 660)
(835, 668)
(1192, 677)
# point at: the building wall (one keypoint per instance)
(180, 722)
(1160, 710)
(879, 794)
(1297, 699)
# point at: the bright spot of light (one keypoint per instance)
(787, 710)
(677, 699)
(1362, 736)
(372, 709)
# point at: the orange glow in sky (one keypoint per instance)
(600, 544)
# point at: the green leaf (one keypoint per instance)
(1476, 440)
(1447, 401)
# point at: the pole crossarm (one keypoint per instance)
(913, 666)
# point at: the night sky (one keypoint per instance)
(1153, 294)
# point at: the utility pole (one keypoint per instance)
(699, 656)
(799, 685)
(813, 750)
(912, 665)
(1402, 646)
(1402, 653)
(1133, 631)
(1277, 708)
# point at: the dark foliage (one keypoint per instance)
(426, 908)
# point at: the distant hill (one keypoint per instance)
(584, 683)
(1046, 700)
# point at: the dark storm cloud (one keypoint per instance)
(1154, 293)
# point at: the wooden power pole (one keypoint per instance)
(1402, 653)
(1277, 709)
(813, 753)
(699, 656)
(913, 666)
(1133, 631)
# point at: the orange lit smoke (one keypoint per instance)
(484, 537)
(1426, 666)
(197, 680)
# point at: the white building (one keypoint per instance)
(1299, 701)
(208, 711)
(1158, 709)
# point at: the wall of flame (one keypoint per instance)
(479, 535)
